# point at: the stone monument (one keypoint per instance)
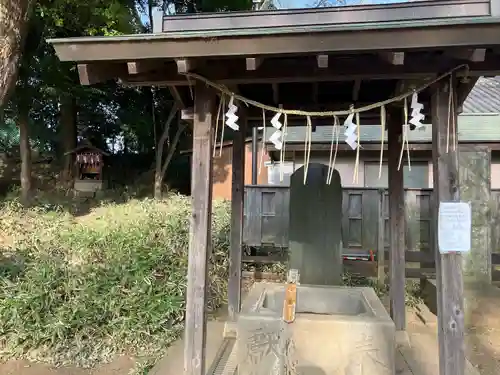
(315, 230)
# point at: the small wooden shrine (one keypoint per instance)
(89, 164)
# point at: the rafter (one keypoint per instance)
(253, 63)
(91, 74)
(394, 58)
(185, 65)
(140, 67)
(302, 71)
(474, 54)
(322, 61)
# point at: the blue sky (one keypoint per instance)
(288, 4)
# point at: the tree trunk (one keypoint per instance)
(150, 14)
(171, 151)
(25, 150)
(68, 113)
(14, 17)
(159, 170)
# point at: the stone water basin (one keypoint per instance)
(337, 331)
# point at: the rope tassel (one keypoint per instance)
(383, 118)
(307, 147)
(335, 137)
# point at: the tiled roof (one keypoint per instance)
(482, 107)
(484, 97)
(468, 131)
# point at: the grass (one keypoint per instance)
(79, 291)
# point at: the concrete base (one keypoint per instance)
(337, 331)
(402, 339)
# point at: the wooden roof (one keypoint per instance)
(87, 147)
(325, 48)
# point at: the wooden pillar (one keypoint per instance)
(381, 238)
(450, 299)
(237, 207)
(200, 234)
(396, 224)
(255, 155)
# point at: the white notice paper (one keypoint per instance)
(454, 227)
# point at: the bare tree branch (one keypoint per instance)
(159, 154)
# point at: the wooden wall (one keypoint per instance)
(266, 217)
(266, 224)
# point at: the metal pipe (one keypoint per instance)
(255, 156)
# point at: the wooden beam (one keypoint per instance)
(237, 201)
(355, 90)
(322, 61)
(254, 113)
(450, 297)
(302, 70)
(200, 233)
(469, 54)
(375, 146)
(406, 85)
(185, 65)
(91, 74)
(140, 67)
(253, 63)
(394, 58)
(315, 92)
(276, 93)
(396, 223)
(299, 70)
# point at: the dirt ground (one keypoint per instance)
(120, 366)
(482, 341)
(483, 330)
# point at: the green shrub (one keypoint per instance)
(81, 290)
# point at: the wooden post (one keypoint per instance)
(396, 224)
(255, 154)
(200, 237)
(450, 298)
(237, 207)
(381, 239)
